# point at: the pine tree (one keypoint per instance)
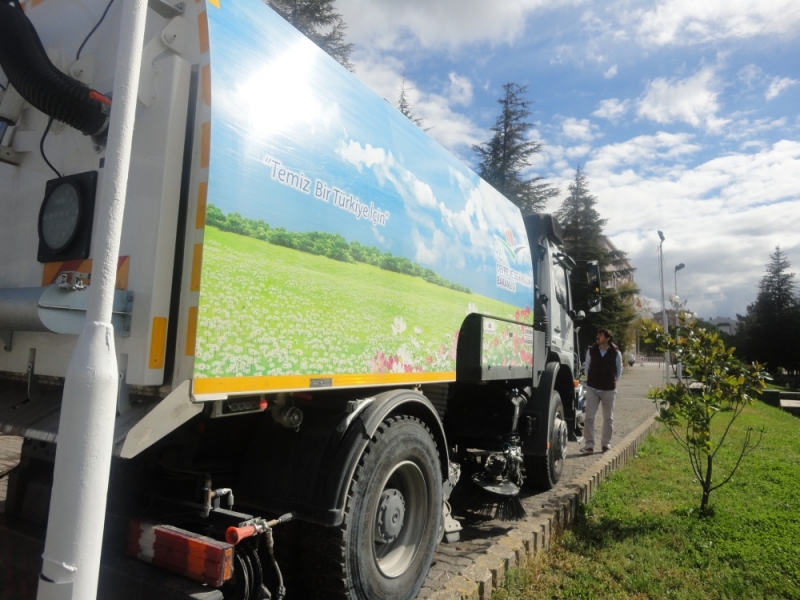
(583, 241)
(768, 332)
(404, 106)
(320, 23)
(508, 153)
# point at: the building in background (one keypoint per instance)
(725, 324)
(616, 275)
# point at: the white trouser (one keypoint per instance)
(593, 401)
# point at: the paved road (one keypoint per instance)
(474, 566)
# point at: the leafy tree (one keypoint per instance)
(404, 107)
(768, 332)
(723, 387)
(508, 153)
(320, 23)
(583, 241)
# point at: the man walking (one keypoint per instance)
(603, 369)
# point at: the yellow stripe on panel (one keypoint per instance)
(205, 146)
(205, 84)
(158, 343)
(239, 385)
(197, 264)
(191, 331)
(202, 31)
(202, 197)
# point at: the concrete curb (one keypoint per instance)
(477, 581)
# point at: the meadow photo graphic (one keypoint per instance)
(269, 310)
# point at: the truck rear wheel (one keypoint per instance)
(392, 516)
(543, 472)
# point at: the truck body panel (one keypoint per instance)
(300, 146)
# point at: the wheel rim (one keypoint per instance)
(400, 517)
(560, 437)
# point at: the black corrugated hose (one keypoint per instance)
(39, 82)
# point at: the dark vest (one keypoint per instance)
(602, 369)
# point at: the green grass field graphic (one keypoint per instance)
(269, 310)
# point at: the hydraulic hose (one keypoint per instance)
(39, 81)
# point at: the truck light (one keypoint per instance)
(195, 556)
(65, 218)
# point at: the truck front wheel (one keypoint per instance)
(543, 472)
(392, 516)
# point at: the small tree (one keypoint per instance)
(722, 387)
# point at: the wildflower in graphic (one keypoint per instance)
(399, 326)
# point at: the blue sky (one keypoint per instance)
(299, 142)
(684, 115)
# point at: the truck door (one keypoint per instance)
(563, 332)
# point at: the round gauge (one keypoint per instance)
(60, 217)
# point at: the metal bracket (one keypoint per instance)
(5, 336)
(170, 38)
(452, 528)
(9, 156)
(33, 381)
(123, 394)
(33, 378)
(167, 9)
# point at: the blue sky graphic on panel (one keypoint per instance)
(302, 144)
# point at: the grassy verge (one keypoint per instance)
(640, 536)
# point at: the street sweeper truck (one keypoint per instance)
(318, 320)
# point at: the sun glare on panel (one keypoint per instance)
(282, 94)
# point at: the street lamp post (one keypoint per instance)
(678, 267)
(663, 304)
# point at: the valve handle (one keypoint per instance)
(234, 535)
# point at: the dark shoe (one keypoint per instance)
(606, 448)
(586, 450)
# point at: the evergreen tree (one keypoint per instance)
(404, 106)
(508, 153)
(320, 23)
(583, 241)
(768, 332)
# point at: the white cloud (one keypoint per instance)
(577, 129)
(611, 72)
(460, 90)
(386, 168)
(612, 109)
(692, 100)
(440, 24)
(455, 131)
(777, 85)
(721, 217)
(678, 22)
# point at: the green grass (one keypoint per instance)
(641, 537)
(270, 310)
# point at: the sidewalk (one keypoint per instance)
(473, 567)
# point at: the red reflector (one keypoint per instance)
(263, 404)
(195, 556)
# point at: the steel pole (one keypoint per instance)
(71, 559)
(663, 306)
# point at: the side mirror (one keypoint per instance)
(595, 304)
